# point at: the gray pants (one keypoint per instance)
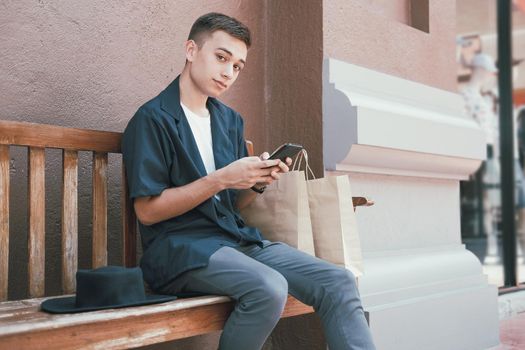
(259, 280)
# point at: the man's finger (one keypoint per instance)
(263, 179)
(251, 158)
(283, 167)
(265, 156)
(269, 163)
(267, 171)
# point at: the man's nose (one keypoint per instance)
(228, 71)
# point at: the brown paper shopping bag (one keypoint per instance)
(282, 212)
(334, 226)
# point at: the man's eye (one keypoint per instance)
(237, 68)
(221, 58)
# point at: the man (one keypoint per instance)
(189, 173)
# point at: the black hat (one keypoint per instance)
(105, 288)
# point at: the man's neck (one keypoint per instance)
(190, 95)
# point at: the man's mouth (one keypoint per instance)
(220, 84)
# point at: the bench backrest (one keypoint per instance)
(38, 137)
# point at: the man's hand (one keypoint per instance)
(274, 175)
(246, 172)
(249, 171)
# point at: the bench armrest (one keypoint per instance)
(362, 202)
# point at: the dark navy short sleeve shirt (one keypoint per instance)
(160, 152)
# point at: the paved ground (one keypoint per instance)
(512, 333)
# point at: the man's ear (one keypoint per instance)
(191, 50)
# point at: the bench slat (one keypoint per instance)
(100, 211)
(4, 220)
(36, 237)
(51, 136)
(129, 225)
(249, 147)
(69, 220)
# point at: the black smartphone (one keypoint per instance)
(285, 151)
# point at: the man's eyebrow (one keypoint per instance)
(230, 53)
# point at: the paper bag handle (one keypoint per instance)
(298, 162)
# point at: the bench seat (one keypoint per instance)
(24, 326)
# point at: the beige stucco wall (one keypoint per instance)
(91, 64)
(355, 32)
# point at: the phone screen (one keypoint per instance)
(285, 151)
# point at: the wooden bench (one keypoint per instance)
(22, 324)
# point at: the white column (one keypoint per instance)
(407, 145)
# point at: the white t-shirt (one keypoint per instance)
(201, 128)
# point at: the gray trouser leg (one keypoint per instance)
(260, 292)
(259, 280)
(331, 290)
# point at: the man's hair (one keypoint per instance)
(207, 24)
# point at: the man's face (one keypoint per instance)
(217, 63)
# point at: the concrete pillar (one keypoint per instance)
(407, 145)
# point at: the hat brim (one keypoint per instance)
(67, 305)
